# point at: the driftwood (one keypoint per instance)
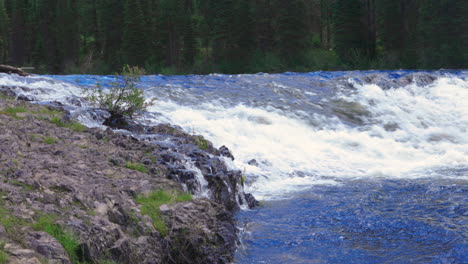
(10, 69)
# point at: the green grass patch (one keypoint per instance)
(49, 140)
(73, 125)
(4, 96)
(50, 112)
(201, 142)
(150, 206)
(11, 223)
(13, 111)
(25, 186)
(3, 254)
(46, 223)
(136, 166)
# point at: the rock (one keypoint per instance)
(224, 151)
(253, 162)
(251, 201)
(22, 97)
(200, 245)
(82, 179)
(47, 246)
(19, 255)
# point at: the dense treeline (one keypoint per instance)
(232, 36)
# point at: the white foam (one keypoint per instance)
(431, 121)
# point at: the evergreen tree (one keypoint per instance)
(4, 33)
(350, 37)
(291, 32)
(134, 44)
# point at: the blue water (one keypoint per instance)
(417, 221)
(356, 221)
(386, 217)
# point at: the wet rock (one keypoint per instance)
(22, 97)
(251, 201)
(224, 151)
(253, 162)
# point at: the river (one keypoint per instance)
(350, 167)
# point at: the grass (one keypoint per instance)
(201, 142)
(46, 223)
(73, 125)
(25, 186)
(11, 223)
(14, 111)
(3, 254)
(49, 140)
(136, 166)
(150, 206)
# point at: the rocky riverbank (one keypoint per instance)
(70, 194)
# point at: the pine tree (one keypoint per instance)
(134, 44)
(4, 32)
(350, 37)
(291, 32)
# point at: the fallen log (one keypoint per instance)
(10, 69)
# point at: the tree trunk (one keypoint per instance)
(10, 69)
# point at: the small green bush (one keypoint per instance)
(150, 206)
(123, 97)
(137, 167)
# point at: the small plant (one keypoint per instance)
(73, 125)
(123, 97)
(3, 254)
(201, 142)
(49, 140)
(13, 111)
(11, 223)
(47, 224)
(136, 166)
(150, 206)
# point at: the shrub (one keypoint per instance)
(123, 97)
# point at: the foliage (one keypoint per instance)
(150, 206)
(201, 142)
(184, 36)
(13, 111)
(136, 166)
(11, 223)
(73, 125)
(123, 98)
(3, 256)
(49, 140)
(47, 224)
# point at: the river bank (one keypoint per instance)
(71, 194)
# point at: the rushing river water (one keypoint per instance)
(351, 167)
